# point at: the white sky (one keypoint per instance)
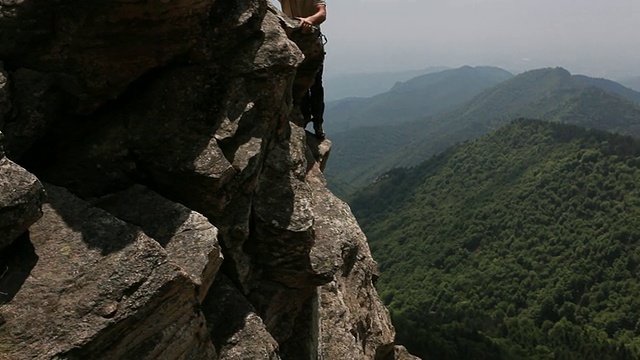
(592, 37)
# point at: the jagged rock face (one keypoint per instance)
(188, 238)
(168, 133)
(94, 286)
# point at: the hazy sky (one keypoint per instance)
(592, 37)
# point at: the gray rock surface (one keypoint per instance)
(353, 323)
(21, 197)
(172, 136)
(236, 328)
(95, 287)
(320, 150)
(188, 237)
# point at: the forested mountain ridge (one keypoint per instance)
(548, 94)
(522, 244)
(611, 86)
(420, 96)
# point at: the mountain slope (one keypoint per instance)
(423, 95)
(521, 244)
(548, 94)
(611, 86)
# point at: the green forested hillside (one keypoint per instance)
(548, 94)
(523, 244)
(420, 96)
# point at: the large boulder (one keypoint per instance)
(85, 284)
(21, 197)
(188, 237)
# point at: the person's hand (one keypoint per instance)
(305, 25)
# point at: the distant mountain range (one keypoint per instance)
(368, 84)
(420, 96)
(522, 244)
(362, 154)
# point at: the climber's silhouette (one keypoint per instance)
(310, 13)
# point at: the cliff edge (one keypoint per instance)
(158, 200)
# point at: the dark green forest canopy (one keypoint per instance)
(521, 244)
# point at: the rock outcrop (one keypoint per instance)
(21, 197)
(186, 214)
(97, 287)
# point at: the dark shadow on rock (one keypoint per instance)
(16, 263)
(188, 238)
(204, 132)
(158, 217)
(290, 316)
(147, 136)
(195, 130)
(282, 220)
(25, 25)
(99, 229)
(37, 102)
(234, 325)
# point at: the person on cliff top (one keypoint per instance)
(310, 13)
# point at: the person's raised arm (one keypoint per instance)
(314, 20)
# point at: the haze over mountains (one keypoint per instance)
(361, 154)
(420, 96)
(342, 86)
(633, 83)
(611, 86)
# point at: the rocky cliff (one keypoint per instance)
(171, 207)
